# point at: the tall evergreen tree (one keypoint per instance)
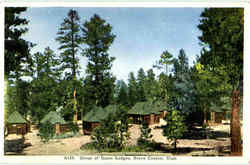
(70, 40)
(151, 86)
(222, 31)
(16, 49)
(165, 61)
(141, 77)
(98, 36)
(132, 89)
(180, 64)
(43, 95)
(17, 60)
(121, 93)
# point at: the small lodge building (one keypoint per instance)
(58, 122)
(217, 116)
(149, 112)
(219, 112)
(94, 117)
(16, 124)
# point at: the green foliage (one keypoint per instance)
(165, 79)
(151, 86)
(222, 38)
(132, 89)
(43, 94)
(211, 86)
(112, 132)
(184, 95)
(175, 127)
(16, 48)
(18, 96)
(222, 30)
(144, 139)
(73, 128)
(66, 135)
(121, 93)
(165, 61)
(141, 77)
(98, 37)
(70, 40)
(46, 131)
(17, 60)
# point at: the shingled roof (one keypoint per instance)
(16, 118)
(149, 107)
(53, 117)
(97, 114)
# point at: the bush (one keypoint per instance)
(65, 135)
(144, 139)
(46, 131)
(112, 133)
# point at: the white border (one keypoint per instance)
(246, 85)
(193, 160)
(1, 79)
(125, 4)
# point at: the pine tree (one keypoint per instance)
(98, 36)
(121, 93)
(141, 77)
(17, 61)
(16, 48)
(70, 40)
(44, 86)
(151, 86)
(132, 89)
(222, 31)
(175, 127)
(166, 59)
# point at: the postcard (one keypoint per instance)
(124, 82)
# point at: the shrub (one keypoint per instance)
(144, 139)
(112, 132)
(65, 135)
(46, 131)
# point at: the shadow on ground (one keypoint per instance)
(15, 147)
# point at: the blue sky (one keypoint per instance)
(142, 34)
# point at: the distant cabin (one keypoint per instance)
(149, 112)
(55, 119)
(17, 124)
(217, 116)
(219, 112)
(95, 116)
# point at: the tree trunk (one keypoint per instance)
(75, 108)
(204, 115)
(175, 144)
(236, 146)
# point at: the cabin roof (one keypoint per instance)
(97, 114)
(53, 117)
(16, 118)
(149, 107)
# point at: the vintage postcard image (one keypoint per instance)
(129, 84)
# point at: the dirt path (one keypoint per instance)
(34, 146)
